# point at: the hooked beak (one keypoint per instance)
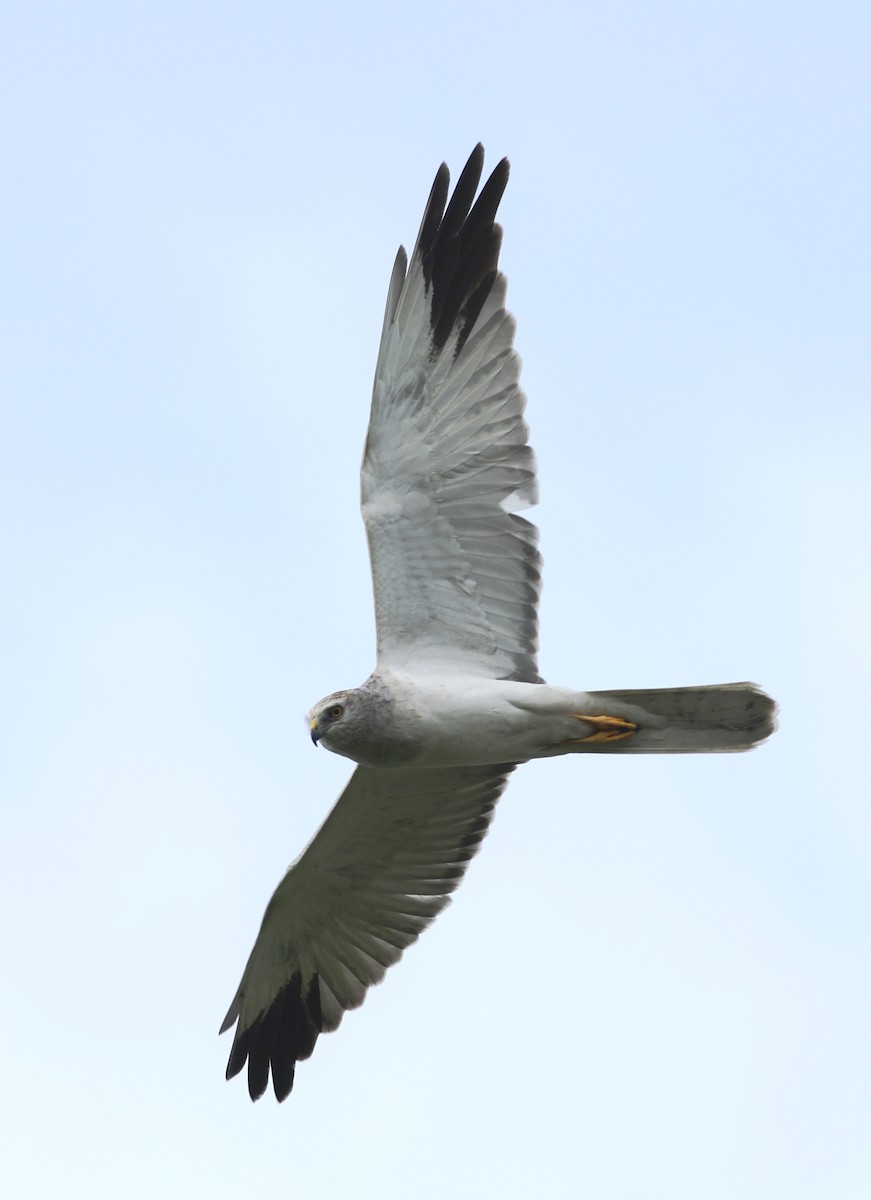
(314, 731)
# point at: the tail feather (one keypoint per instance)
(689, 720)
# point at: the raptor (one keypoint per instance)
(455, 701)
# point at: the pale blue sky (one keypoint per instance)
(656, 979)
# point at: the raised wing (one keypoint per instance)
(378, 871)
(456, 574)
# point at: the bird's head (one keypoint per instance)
(360, 724)
(339, 721)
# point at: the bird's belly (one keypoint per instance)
(462, 722)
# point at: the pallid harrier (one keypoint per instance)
(455, 701)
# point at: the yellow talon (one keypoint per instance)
(607, 729)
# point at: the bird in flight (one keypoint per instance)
(455, 702)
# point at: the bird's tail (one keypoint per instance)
(689, 720)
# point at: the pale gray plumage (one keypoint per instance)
(447, 453)
(455, 701)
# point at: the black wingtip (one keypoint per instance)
(285, 1033)
(458, 247)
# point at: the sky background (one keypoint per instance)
(656, 979)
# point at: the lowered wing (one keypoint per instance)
(380, 868)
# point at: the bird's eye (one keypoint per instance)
(335, 711)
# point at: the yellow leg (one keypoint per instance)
(606, 729)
